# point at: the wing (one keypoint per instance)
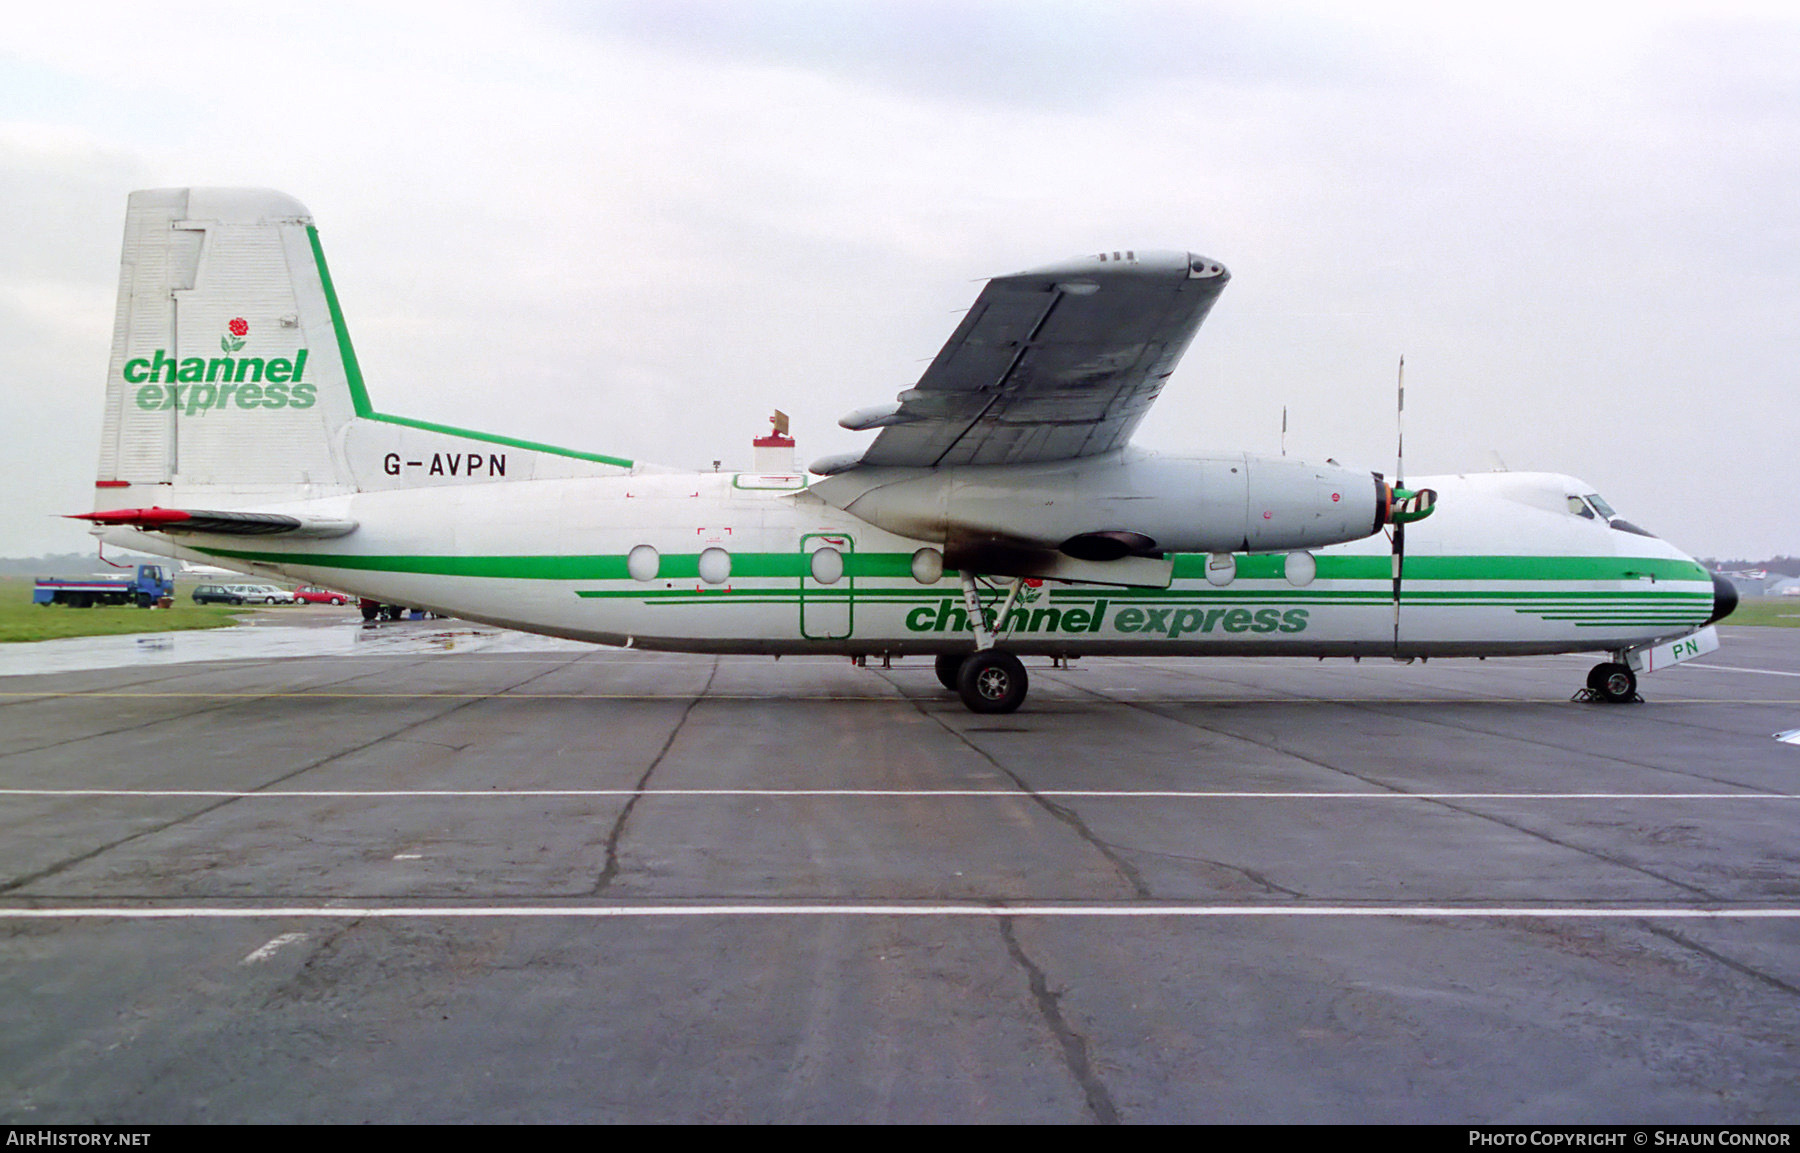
(1052, 364)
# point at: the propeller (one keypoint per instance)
(1404, 505)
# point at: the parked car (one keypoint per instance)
(268, 594)
(313, 595)
(238, 594)
(217, 595)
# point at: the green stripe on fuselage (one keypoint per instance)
(680, 566)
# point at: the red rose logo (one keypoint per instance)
(240, 327)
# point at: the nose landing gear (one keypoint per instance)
(1613, 683)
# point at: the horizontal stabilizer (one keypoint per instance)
(178, 520)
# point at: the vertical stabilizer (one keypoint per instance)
(232, 372)
(224, 370)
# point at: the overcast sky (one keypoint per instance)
(636, 228)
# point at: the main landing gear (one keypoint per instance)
(988, 680)
(1612, 682)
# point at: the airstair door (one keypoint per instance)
(827, 588)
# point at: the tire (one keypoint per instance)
(337, 602)
(144, 601)
(1613, 683)
(992, 682)
(948, 665)
(370, 612)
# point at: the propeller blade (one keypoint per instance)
(1399, 497)
(1400, 425)
(1399, 563)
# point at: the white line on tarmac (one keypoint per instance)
(821, 909)
(1093, 794)
(1736, 669)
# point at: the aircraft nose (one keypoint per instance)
(1725, 599)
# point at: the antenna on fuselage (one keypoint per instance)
(1284, 430)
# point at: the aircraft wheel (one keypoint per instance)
(948, 665)
(992, 682)
(1613, 683)
(370, 612)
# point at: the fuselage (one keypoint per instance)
(724, 562)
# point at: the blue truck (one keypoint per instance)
(143, 588)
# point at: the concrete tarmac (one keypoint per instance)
(411, 881)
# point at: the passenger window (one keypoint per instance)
(715, 566)
(643, 563)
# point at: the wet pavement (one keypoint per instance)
(441, 873)
(274, 633)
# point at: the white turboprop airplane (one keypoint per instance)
(1000, 511)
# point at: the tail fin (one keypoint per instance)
(232, 372)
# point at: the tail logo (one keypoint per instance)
(195, 385)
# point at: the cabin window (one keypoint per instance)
(715, 566)
(1605, 510)
(827, 566)
(1579, 507)
(643, 563)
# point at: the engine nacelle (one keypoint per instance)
(1105, 508)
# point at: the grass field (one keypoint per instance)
(20, 620)
(1777, 612)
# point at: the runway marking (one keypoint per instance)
(1093, 794)
(268, 950)
(895, 909)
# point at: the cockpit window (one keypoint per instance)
(1600, 506)
(1579, 507)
